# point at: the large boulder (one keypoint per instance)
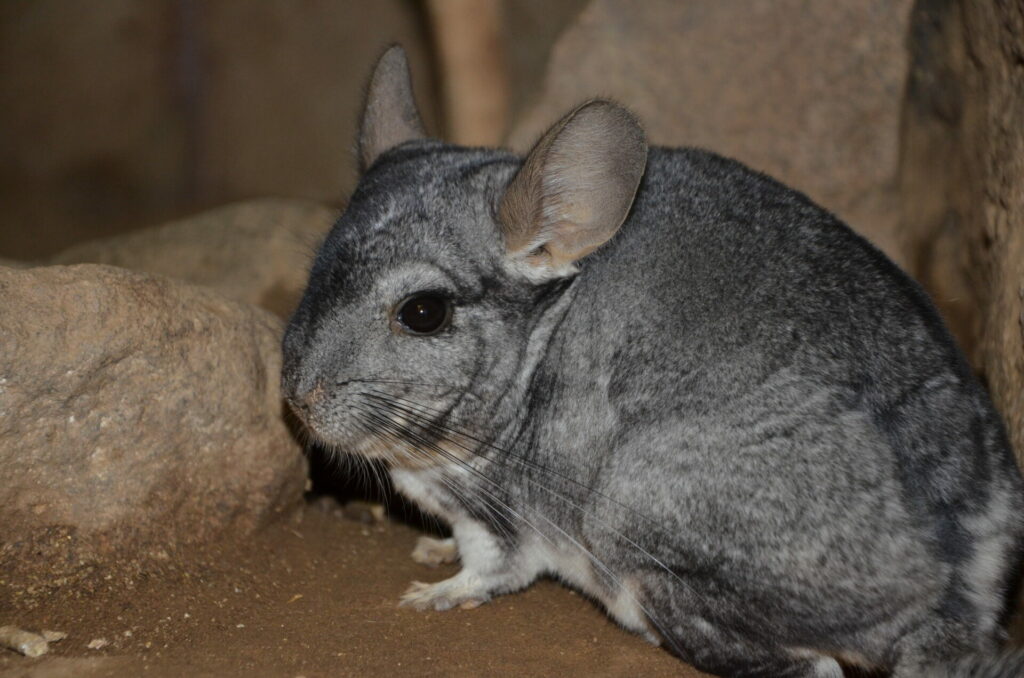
(258, 252)
(137, 414)
(808, 92)
(962, 180)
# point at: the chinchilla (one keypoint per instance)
(668, 381)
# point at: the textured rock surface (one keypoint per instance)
(136, 413)
(963, 183)
(808, 92)
(257, 252)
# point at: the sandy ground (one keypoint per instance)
(316, 596)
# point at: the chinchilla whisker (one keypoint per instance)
(598, 563)
(409, 437)
(378, 434)
(487, 494)
(368, 380)
(425, 410)
(492, 504)
(419, 420)
(370, 468)
(375, 426)
(359, 467)
(514, 457)
(616, 582)
(304, 436)
(416, 440)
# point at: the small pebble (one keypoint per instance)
(28, 643)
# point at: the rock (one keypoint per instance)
(807, 92)
(962, 183)
(137, 414)
(257, 252)
(23, 642)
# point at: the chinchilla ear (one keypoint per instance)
(574, 189)
(390, 116)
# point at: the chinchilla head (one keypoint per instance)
(431, 294)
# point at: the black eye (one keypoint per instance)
(424, 313)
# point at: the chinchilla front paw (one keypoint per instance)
(465, 591)
(433, 552)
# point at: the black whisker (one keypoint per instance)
(421, 420)
(414, 441)
(402, 382)
(409, 434)
(529, 463)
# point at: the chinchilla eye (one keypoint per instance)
(424, 313)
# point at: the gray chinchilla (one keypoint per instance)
(670, 382)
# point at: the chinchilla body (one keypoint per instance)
(671, 382)
(817, 463)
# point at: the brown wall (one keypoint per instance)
(127, 112)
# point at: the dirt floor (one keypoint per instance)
(315, 595)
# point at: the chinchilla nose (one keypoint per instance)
(304, 395)
(313, 396)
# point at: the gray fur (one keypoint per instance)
(736, 424)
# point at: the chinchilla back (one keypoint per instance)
(722, 278)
